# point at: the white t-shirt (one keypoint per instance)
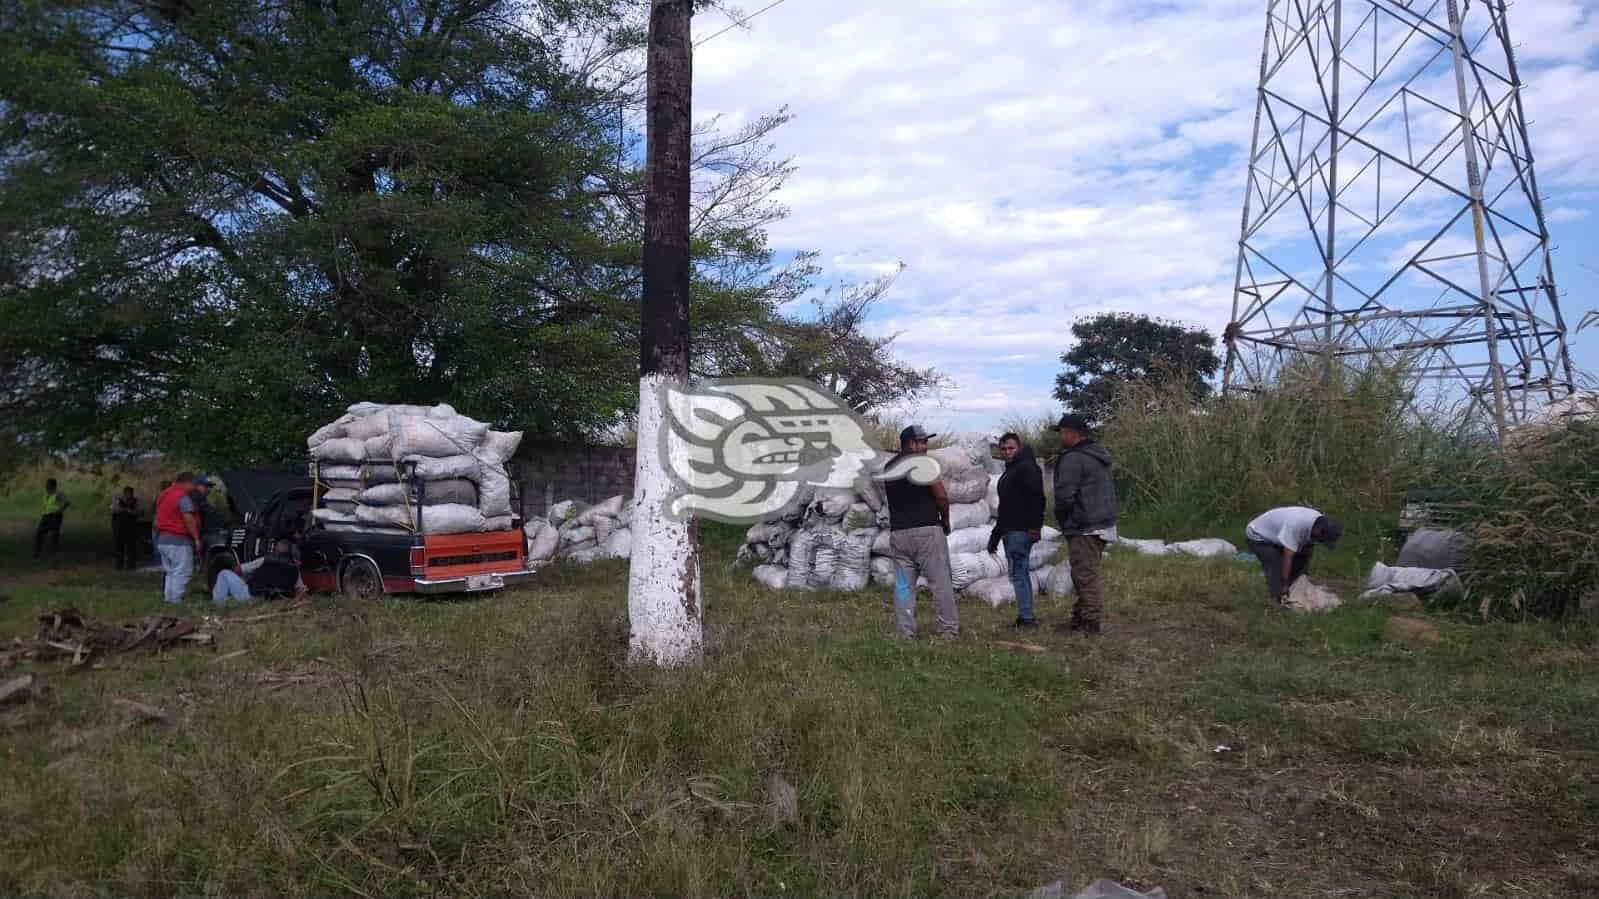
(1288, 527)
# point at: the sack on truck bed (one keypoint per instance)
(494, 491)
(417, 436)
(445, 519)
(340, 449)
(456, 491)
(447, 468)
(358, 475)
(499, 446)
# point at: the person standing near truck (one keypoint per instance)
(125, 528)
(177, 526)
(50, 516)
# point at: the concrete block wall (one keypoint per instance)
(552, 472)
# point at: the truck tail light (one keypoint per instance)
(419, 561)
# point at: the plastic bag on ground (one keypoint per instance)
(1306, 597)
(774, 577)
(1206, 548)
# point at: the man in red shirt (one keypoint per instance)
(177, 536)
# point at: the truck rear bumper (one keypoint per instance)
(471, 583)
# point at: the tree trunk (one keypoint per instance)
(663, 602)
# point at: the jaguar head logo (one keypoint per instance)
(740, 450)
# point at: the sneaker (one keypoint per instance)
(1026, 623)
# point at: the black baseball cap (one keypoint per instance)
(914, 432)
(1074, 422)
(1331, 529)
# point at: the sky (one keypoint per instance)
(1034, 161)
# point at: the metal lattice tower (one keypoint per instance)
(1392, 211)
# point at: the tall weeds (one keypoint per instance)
(1348, 444)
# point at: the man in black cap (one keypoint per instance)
(918, 516)
(1283, 539)
(1085, 508)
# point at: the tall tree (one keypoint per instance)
(663, 600)
(1120, 348)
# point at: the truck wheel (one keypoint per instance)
(215, 565)
(360, 579)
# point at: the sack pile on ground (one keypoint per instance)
(362, 457)
(581, 533)
(838, 539)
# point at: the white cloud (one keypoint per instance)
(1035, 161)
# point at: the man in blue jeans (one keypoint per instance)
(1021, 520)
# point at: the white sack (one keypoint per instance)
(619, 545)
(1435, 548)
(339, 495)
(611, 508)
(968, 568)
(367, 427)
(494, 491)
(1042, 554)
(824, 556)
(1389, 579)
(882, 544)
(1059, 582)
(769, 532)
(542, 540)
(1145, 547)
(562, 511)
(340, 449)
(992, 496)
(1049, 534)
(455, 491)
(773, 577)
(998, 591)
(360, 475)
(415, 435)
(835, 505)
(580, 534)
(968, 540)
(1206, 548)
(970, 487)
(1306, 597)
(328, 432)
(499, 446)
(967, 515)
(854, 567)
(801, 550)
(332, 516)
(379, 447)
(882, 571)
(444, 468)
(953, 461)
(491, 523)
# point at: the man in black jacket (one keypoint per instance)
(1021, 520)
(1085, 506)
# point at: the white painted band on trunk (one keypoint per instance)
(663, 586)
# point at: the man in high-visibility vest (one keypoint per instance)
(177, 535)
(50, 515)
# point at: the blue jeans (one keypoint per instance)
(1017, 549)
(230, 586)
(177, 560)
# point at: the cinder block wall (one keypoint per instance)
(552, 472)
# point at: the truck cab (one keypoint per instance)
(273, 505)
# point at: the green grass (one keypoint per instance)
(501, 745)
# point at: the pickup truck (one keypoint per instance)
(270, 505)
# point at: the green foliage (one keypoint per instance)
(1116, 349)
(221, 223)
(1348, 445)
(1531, 514)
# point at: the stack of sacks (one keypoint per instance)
(459, 462)
(581, 533)
(839, 539)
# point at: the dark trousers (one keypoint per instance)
(1087, 555)
(125, 534)
(1271, 561)
(49, 525)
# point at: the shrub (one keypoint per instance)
(1531, 515)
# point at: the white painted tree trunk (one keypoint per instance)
(663, 587)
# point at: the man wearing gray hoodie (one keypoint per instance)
(1085, 508)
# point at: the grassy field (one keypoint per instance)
(499, 745)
